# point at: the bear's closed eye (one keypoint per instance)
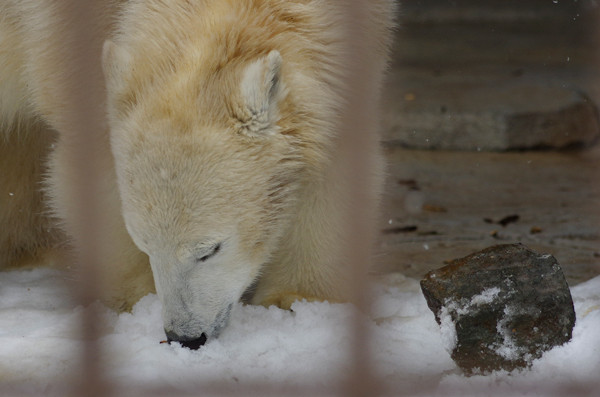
(213, 251)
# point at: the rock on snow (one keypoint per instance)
(40, 346)
(500, 308)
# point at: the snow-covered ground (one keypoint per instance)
(40, 346)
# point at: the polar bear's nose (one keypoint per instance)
(190, 343)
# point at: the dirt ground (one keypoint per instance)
(444, 205)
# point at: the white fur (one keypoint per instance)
(262, 89)
(223, 129)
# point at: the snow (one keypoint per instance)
(448, 330)
(452, 310)
(509, 349)
(467, 306)
(40, 346)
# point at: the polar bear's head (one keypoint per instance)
(207, 164)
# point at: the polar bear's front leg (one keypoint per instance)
(127, 276)
(309, 262)
(285, 299)
(124, 270)
(312, 261)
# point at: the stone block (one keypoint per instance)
(500, 308)
(496, 116)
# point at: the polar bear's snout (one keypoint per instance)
(192, 344)
(187, 334)
(194, 332)
(197, 296)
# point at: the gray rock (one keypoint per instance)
(500, 308)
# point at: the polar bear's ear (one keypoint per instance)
(115, 63)
(262, 90)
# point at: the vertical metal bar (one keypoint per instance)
(83, 128)
(357, 124)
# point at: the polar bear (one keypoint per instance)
(219, 166)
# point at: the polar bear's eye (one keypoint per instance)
(214, 250)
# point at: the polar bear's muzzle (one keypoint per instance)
(196, 336)
(192, 344)
(198, 291)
